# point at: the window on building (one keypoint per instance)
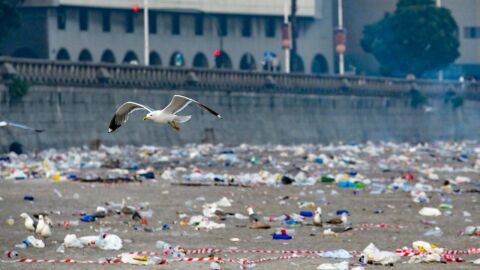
(270, 27)
(106, 25)
(63, 55)
(472, 32)
(129, 22)
(83, 19)
(175, 24)
(108, 57)
(85, 56)
(200, 61)
(154, 59)
(152, 22)
(61, 18)
(246, 27)
(199, 25)
(222, 26)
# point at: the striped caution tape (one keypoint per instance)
(287, 254)
(412, 252)
(369, 226)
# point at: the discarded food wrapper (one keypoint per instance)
(336, 254)
(334, 266)
(425, 258)
(135, 259)
(372, 254)
(430, 212)
(423, 246)
(102, 241)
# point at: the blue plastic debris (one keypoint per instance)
(88, 218)
(281, 237)
(306, 214)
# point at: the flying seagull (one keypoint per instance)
(166, 116)
(12, 124)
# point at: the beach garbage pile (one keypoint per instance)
(250, 165)
(299, 200)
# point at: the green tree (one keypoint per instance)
(9, 16)
(418, 37)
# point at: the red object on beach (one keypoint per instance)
(409, 176)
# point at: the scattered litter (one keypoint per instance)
(430, 212)
(334, 266)
(336, 254)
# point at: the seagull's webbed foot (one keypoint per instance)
(174, 125)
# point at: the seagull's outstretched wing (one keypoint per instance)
(179, 103)
(121, 115)
(12, 124)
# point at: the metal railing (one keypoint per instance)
(44, 72)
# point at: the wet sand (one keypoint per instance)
(397, 206)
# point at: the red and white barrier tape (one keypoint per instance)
(406, 252)
(369, 226)
(412, 252)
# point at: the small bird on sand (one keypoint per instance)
(40, 224)
(30, 223)
(167, 115)
(342, 220)
(45, 229)
(317, 217)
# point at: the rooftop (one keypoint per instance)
(306, 8)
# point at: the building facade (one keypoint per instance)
(230, 34)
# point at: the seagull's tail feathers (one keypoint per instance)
(182, 118)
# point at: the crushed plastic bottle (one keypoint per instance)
(336, 254)
(320, 197)
(435, 232)
(377, 188)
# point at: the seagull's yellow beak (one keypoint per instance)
(145, 118)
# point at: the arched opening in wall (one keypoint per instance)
(130, 58)
(177, 60)
(63, 55)
(85, 56)
(247, 62)
(154, 59)
(108, 57)
(223, 61)
(297, 64)
(200, 61)
(25, 53)
(319, 64)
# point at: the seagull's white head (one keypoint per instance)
(24, 215)
(148, 117)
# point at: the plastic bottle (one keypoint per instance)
(377, 188)
(320, 197)
(11, 254)
(435, 232)
(25, 244)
